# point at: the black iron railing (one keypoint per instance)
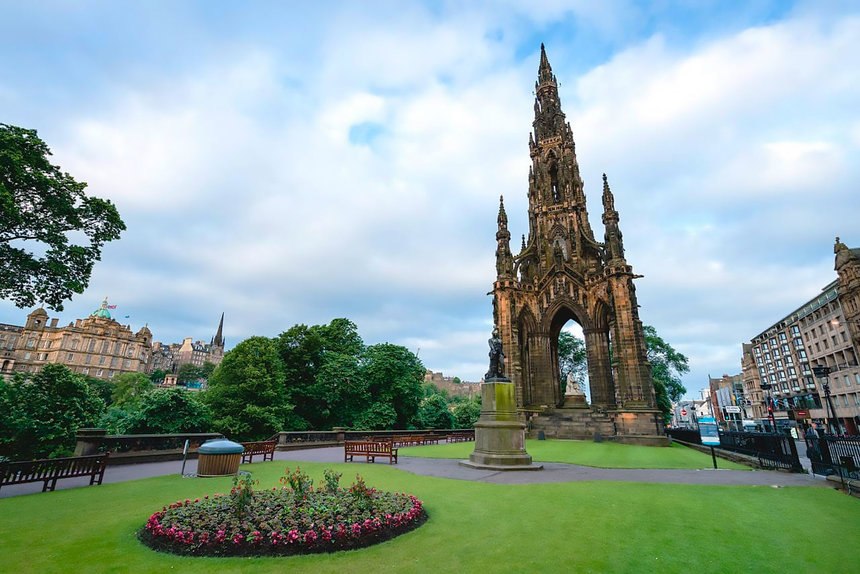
(834, 455)
(773, 450)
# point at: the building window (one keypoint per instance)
(795, 330)
(114, 362)
(782, 337)
(70, 357)
(27, 356)
(127, 363)
(92, 346)
(87, 359)
(85, 371)
(110, 374)
(101, 360)
(31, 343)
(100, 373)
(105, 346)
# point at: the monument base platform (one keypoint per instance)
(500, 436)
(480, 466)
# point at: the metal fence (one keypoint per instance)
(834, 455)
(772, 450)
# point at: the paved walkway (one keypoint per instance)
(447, 468)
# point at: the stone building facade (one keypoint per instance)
(97, 346)
(561, 273)
(169, 357)
(463, 389)
(822, 331)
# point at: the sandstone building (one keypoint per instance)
(823, 331)
(561, 273)
(97, 346)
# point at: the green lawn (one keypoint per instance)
(589, 453)
(473, 527)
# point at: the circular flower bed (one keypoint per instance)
(282, 521)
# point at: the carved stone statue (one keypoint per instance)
(573, 386)
(497, 357)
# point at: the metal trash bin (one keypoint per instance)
(219, 457)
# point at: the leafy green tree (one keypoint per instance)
(466, 413)
(393, 375)
(320, 364)
(101, 387)
(379, 416)
(41, 210)
(129, 389)
(572, 360)
(188, 373)
(207, 369)
(667, 366)
(433, 413)
(246, 392)
(43, 411)
(166, 411)
(157, 376)
(456, 380)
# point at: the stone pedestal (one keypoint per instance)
(576, 401)
(499, 434)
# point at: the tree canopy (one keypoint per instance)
(667, 366)
(41, 412)
(246, 392)
(43, 213)
(166, 411)
(572, 360)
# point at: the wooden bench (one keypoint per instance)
(460, 437)
(370, 449)
(51, 470)
(265, 448)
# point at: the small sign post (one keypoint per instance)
(184, 457)
(710, 435)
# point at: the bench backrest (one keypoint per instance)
(260, 447)
(367, 446)
(33, 470)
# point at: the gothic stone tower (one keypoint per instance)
(563, 273)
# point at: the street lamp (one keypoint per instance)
(822, 372)
(765, 386)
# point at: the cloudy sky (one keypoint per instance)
(295, 162)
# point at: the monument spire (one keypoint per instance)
(504, 257)
(612, 237)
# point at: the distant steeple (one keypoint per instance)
(218, 341)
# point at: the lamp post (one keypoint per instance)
(766, 387)
(823, 372)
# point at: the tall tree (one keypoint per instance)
(667, 366)
(320, 371)
(168, 411)
(246, 392)
(44, 410)
(189, 372)
(43, 212)
(393, 375)
(433, 413)
(572, 360)
(129, 389)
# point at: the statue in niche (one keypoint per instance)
(497, 357)
(573, 387)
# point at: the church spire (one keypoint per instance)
(218, 341)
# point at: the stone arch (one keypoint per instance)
(526, 329)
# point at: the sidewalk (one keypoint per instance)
(448, 468)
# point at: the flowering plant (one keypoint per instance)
(283, 521)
